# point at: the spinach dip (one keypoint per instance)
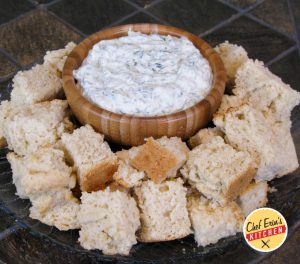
(144, 75)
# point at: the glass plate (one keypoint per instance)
(29, 241)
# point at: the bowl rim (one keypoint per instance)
(217, 67)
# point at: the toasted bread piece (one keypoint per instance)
(205, 135)
(253, 197)
(127, 176)
(233, 57)
(5, 111)
(265, 91)
(109, 221)
(179, 148)
(163, 211)
(94, 161)
(269, 142)
(115, 186)
(56, 58)
(57, 208)
(155, 160)
(219, 171)
(230, 101)
(212, 222)
(36, 85)
(36, 126)
(41, 171)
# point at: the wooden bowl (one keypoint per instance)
(132, 130)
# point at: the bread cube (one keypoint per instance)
(36, 126)
(219, 171)
(41, 171)
(233, 57)
(5, 111)
(159, 159)
(40, 83)
(163, 209)
(212, 222)
(205, 135)
(265, 91)
(56, 58)
(109, 221)
(94, 161)
(57, 208)
(269, 142)
(128, 176)
(253, 197)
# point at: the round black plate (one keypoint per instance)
(29, 241)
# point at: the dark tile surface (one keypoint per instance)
(13, 8)
(143, 3)
(91, 15)
(276, 13)
(286, 253)
(5, 90)
(242, 3)
(260, 42)
(6, 220)
(37, 2)
(6, 67)
(287, 68)
(192, 15)
(140, 18)
(32, 35)
(295, 6)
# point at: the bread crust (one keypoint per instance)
(240, 183)
(155, 160)
(99, 175)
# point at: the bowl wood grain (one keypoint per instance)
(132, 130)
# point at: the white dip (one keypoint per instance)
(145, 75)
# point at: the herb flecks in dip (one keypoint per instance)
(145, 75)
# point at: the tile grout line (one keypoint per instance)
(281, 55)
(221, 24)
(296, 30)
(120, 20)
(18, 17)
(162, 21)
(239, 9)
(263, 23)
(225, 22)
(51, 3)
(141, 8)
(65, 22)
(246, 13)
(9, 231)
(146, 11)
(10, 57)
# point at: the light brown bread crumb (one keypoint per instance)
(109, 221)
(269, 142)
(253, 197)
(94, 161)
(36, 126)
(205, 135)
(163, 211)
(41, 171)
(56, 208)
(155, 160)
(219, 171)
(212, 222)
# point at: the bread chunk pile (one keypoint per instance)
(161, 190)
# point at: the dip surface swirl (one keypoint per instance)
(145, 75)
